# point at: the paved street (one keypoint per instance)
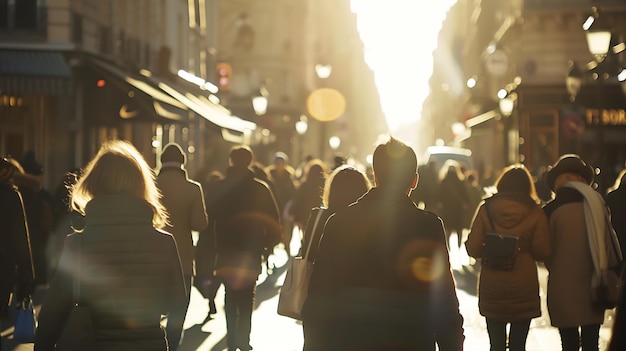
(272, 332)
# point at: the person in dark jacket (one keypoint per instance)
(511, 296)
(130, 272)
(616, 200)
(15, 252)
(184, 201)
(382, 277)
(247, 224)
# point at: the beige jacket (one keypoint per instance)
(184, 201)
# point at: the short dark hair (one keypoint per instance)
(240, 156)
(394, 162)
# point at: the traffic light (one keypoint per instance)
(224, 72)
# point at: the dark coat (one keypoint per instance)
(247, 224)
(131, 275)
(616, 200)
(382, 280)
(14, 246)
(511, 295)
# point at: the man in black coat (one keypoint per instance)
(247, 224)
(382, 278)
(16, 265)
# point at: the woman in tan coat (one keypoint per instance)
(511, 296)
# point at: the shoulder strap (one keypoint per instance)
(79, 263)
(313, 231)
(493, 227)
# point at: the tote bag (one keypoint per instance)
(295, 288)
(25, 323)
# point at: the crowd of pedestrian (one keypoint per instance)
(381, 279)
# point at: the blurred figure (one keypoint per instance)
(16, 265)
(281, 177)
(39, 212)
(382, 278)
(616, 200)
(511, 297)
(309, 194)
(206, 250)
(543, 190)
(454, 200)
(184, 201)
(130, 272)
(618, 337)
(247, 224)
(475, 195)
(571, 266)
(426, 191)
(338, 161)
(344, 186)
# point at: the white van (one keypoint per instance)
(441, 154)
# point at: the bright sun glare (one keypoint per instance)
(399, 38)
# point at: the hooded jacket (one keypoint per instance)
(511, 295)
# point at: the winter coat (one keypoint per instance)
(247, 225)
(616, 200)
(511, 295)
(14, 247)
(130, 274)
(184, 201)
(571, 267)
(382, 279)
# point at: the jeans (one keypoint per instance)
(571, 339)
(238, 305)
(518, 333)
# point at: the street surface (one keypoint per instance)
(272, 332)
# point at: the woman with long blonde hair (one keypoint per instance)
(128, 270)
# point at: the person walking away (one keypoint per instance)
(206, 251)
(16, 264)
(616, 200)
(247, 224)
(382, 277)
(184, 201)
(130, 272)
(281, 175)
(454, 200)
(511, 297)
(571, 266)
(309, 194)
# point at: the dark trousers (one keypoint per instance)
(176, 319)
(238, 305)
(518, 333)
(572, 339)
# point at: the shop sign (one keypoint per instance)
(612, 117)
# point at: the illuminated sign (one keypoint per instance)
(596, 117)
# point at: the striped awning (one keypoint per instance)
(34, 72)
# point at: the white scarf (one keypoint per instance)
(603, 243)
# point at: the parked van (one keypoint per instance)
(441, 154)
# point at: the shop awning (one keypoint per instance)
(37, 72)
(202, 106)
(135, 99)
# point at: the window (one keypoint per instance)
(26, 14)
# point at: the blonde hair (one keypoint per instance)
(118, 168)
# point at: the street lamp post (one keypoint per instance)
(598, 33)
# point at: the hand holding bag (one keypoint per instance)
(25, 323)
(295, 288)
(78, 331)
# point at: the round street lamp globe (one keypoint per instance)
(326, 104)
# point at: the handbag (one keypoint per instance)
(295, 288)
(77, 333)
(500, 250)
(25, 323)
